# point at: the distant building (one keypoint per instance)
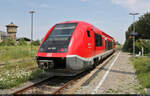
(12, 30)
(3, 35)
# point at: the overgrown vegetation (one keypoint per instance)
(142, 27)
(142, 66)
(8, 42)
(10, 50)
(14, 73)
(36, 43)
(22, 42)
(142, 43)
(8, 53)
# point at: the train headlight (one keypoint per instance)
(63, 49)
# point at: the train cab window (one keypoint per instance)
(88, 33)
(98, 40)
(59, 38)
(63, 29)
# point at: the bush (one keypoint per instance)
(22, 42)
(127, 47)
(142, 43)
(36, 43)
(8, 42)
(142, 66)
(142, 29)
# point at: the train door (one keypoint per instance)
(90, 42)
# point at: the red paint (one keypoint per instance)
(80, 44)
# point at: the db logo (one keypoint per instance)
(49, 54)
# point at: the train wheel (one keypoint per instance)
(100, 60)
(92, 66)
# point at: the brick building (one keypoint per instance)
(11, 32)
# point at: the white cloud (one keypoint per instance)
(134, 5)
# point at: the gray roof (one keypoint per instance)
(25, 38)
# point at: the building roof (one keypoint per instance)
(11, 25)
(25, 38)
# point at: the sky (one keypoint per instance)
(111, 16)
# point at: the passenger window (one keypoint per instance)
(106, 46)
(98, 40)
(110, 46)
(88, 33)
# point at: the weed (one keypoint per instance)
(142, 66)
(8, 53)
(13, 74)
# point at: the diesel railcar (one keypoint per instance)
(73, 46)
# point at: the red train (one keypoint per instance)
(73, 46)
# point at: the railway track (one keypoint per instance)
(61, 85)
(48, 86)
(51, 85)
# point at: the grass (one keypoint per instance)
(142, 66)
(8, 53)
(14, 74)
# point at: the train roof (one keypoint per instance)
(74, 21)
(83, 22)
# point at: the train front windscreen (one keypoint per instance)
(58, 40)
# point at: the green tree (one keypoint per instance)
(8, 42)
(142, 28)
(142, 43)
(22, 42)
(36, 43)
